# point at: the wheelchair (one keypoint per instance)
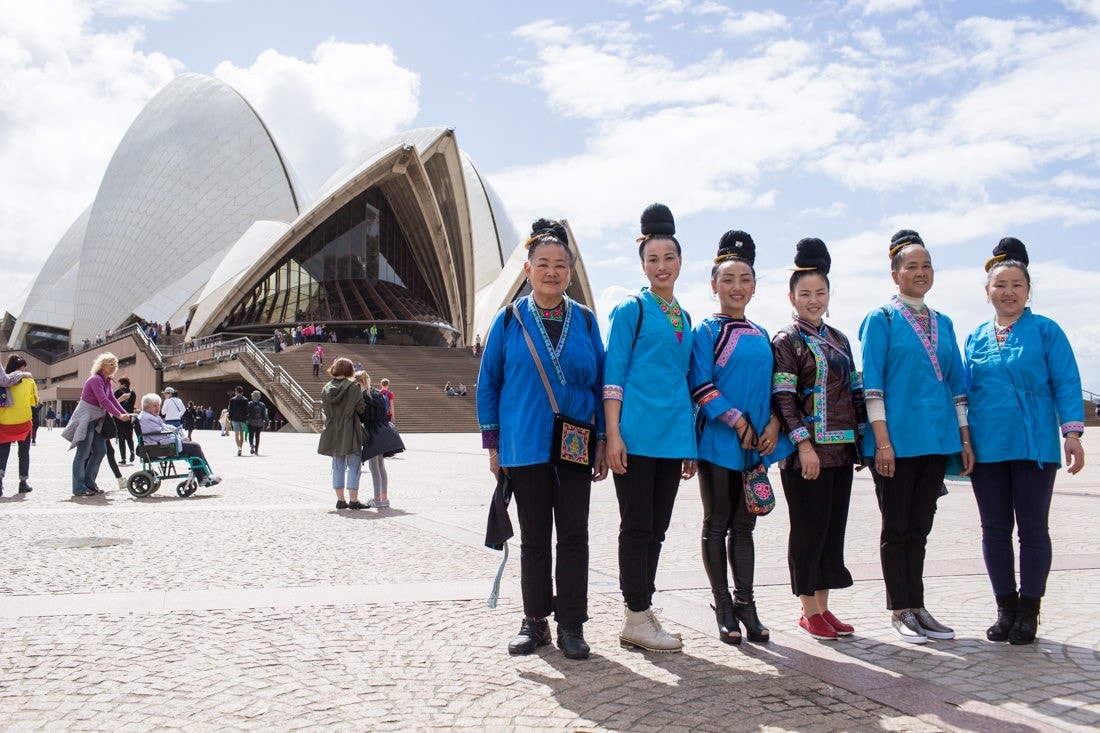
(158, 463)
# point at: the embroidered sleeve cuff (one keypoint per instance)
(856, 381)
(613, 392)
(784, 382)
(490, 439)
(730, 416)
(704, 393)
(873, 394)
(1073, 427)
(798, 435)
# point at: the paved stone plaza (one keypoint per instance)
(256, 605)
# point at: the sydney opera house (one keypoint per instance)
(200, 221)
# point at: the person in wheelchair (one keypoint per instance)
(154, 431)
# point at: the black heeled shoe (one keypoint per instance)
(754, 629)
(728, 630)
(1026, 626)
(571, 641)
(1006, 617)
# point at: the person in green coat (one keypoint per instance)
(343, 435)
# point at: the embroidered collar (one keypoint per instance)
(671, 310)
(554, 352)
(557, 313)
(929, 339)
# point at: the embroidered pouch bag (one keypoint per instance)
(573, 443)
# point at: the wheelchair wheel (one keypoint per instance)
(141, 484)
(188, 487)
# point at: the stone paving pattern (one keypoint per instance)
(256, 605)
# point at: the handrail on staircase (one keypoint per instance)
(274, 372)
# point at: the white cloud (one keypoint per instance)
(324, 112)
(753, 22)
(883, 7)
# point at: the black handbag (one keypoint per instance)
(572, 442)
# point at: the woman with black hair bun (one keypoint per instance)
(516, 420)
(650, 435)
(819, 397)
(1025, 394)
(914, 389)
(730, 379)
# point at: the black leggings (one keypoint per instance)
(254, 436)
(727, 531)
(647, 495)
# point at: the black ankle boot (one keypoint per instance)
(728, 630)
(571, 641)
(24, 487)
(1006, 617)
(754, 629)
(1027, 621)
(532, 634)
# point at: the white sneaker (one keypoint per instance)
(122, 483)
(932, 628)
(907, 628)
(643, 630)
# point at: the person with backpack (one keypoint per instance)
(257, 420)
(545, 332)
(382, 440)
(238, 416)
(818, 395)
(650, 423)
(915, 391)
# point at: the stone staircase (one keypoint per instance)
(416, 373)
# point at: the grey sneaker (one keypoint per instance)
(907, 628)
(932, 628)
(380, 503)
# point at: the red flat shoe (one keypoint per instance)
(817, 627)
(841, 628)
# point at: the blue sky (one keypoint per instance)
(846, 120)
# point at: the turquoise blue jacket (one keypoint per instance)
(512, 405)
(1024, 395)
(920, 382)
(731, 368)
(647, 369)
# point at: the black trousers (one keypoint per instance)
(727, 532)
(646, 494)
(254, 436)
(907, 502)
(24, 453)
(819, 517)
(552, 500)
(125, 438)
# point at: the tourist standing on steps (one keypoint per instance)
(388, 394)
(650, 423)
(818, 395)
(343, 435)
(126, 397)
(16, 420)
(1024, 394)
(731, 380)
(238, 416)
(914, 389)
(84, 427)
(516, 418)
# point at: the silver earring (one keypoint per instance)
(826, 312)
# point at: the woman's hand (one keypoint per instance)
(884, 461)
(1075, 454)
(494, 463)
(616, 454)
(688, 469)
(811, 463)
(599, 471)
(745, 433)
(125, 417)
(766, 442)
(967, 459)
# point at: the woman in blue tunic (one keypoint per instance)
(1025, 392)
(914, 388)
(731, 378)
(516, 420)
(650, 438)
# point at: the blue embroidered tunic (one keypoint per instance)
(731, 376)
(917, 371)
(1022, 392)
(512, 407)
(647, 370)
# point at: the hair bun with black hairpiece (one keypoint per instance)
(736, 245)
(1008, 248)
(549, 227)
(903, 238)
(812, 254)
(657, 220)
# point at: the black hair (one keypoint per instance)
(735, 245)
(657, 222)
(1009, 252)
(15, 361)
(548, 231)
(811, 257)
(900, 243)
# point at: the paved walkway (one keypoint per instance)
(256, 605)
